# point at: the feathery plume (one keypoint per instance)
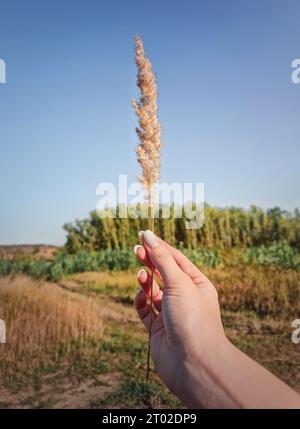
(149, 131)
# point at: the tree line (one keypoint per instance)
(223, 228)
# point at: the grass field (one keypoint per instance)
(77, 342)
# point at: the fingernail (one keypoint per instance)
(141, 236)
(141, 275)
(136, 247)
(150, 239)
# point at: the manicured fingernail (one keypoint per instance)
(136, 247)
(150, 239)
(142, 275)
(141, 236)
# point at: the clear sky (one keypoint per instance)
(229, 110)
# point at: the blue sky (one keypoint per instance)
(228, 107)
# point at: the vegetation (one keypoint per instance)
(106, 260)
(278, 255)
(223, 228)
(45, 323)
(263, 291)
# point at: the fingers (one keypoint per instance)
(141, 300)
(143, 309)
(186, 265)
(162, 259)
(182, 261)
(144, 279)
(143, 256)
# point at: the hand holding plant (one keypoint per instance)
(191, 352)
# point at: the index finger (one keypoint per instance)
(184, 263)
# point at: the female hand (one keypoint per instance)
(188, 327)
(191, 353)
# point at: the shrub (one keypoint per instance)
(279, 254)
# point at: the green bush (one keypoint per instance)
(37, 269)
(56, 272)
(5, 267)
(279, 254)
(204, 257)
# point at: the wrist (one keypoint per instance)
(205, 375)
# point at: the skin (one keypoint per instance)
(190, 350)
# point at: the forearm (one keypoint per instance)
(230, 379)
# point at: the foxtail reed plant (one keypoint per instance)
(149, 131)
(149, 148)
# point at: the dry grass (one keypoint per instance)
(265, 291)
(44, 322)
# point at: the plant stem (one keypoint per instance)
(151, 310)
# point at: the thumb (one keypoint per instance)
(162, 259)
